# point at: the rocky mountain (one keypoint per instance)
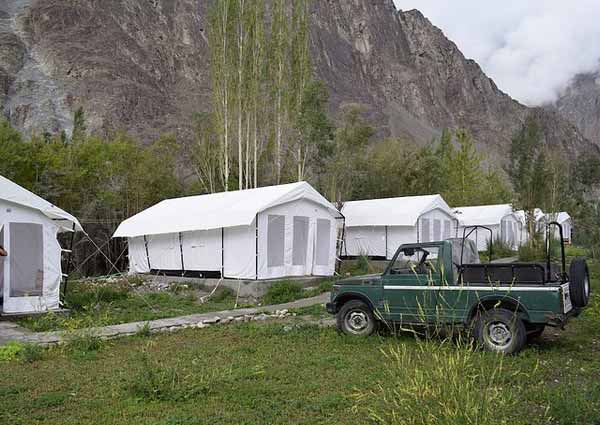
(580, 104)
(142, 66)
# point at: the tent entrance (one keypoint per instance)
(24, 266)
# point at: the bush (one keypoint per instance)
(10, 351)
(500, 249)
(28, 353)
(31, 353)
(85, 342)
(283, 292)
(144, 331)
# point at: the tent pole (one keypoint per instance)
(69, 263)
(418, 235)
(181, 253)
(222, 254)
(256, 247)
(147, 254)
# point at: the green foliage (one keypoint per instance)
(10, 351)
(394, 168)
(454, 387)
(345, 157)
(85, 342)
(144, 331)
(283, 292)
(500, 249)
(155, 381)
(362, 264)
(31, 353)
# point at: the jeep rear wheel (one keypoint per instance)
(355, 318)
(499, 330)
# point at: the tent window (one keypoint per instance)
(26, 259)
(323, 241)
(275, 240)
(425, 230)
(447, 229)
(437, 230)
(300, 241)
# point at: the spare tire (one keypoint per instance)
(579, 282)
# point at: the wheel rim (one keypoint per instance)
(357, 321)
(498, 335)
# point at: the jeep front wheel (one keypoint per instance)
(355, 318)
(499, 330)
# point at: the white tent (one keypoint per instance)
(564, 219)
(538, 214)
(377, 227)
(504, 223)
(264, 233)
(30, 275)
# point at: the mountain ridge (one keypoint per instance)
(143, 68)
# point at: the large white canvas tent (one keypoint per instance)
(31, 274)
(539, 225)
(504, 223)
(377, 227)
(264, 233)
(564, 219)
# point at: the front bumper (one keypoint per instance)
(331, 308)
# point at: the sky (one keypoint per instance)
(531, 48)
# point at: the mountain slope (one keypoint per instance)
(580, 104)
(142, 66)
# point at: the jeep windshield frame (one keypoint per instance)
(415, 247)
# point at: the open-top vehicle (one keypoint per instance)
(444, 284)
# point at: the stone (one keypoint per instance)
(212, 321)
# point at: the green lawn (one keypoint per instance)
(271, 373)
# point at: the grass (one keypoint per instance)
(103, 304)
(256, 373)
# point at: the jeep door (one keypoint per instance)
(411, 285)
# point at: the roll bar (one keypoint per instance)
(466, 235)
(563, 274)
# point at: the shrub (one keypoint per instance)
(437, 383)
(10, 351)
(283, 292)
(31, 353)
(362, 265)
(500, 249)
(144, 331)
(85, 342)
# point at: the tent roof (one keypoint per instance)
(483, 214)
(404, 211)
(217, 210)
(538, 214)
(12, 192)
(561, 217)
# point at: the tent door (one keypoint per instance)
(24, 267)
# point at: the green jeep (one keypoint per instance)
(444, 284)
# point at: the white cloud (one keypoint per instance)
(531, 48)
